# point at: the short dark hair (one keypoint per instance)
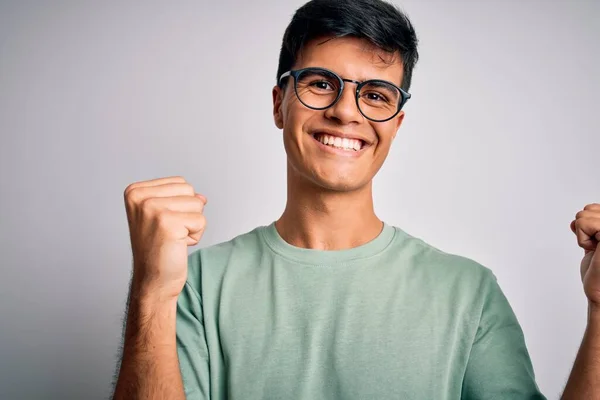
(378, 21)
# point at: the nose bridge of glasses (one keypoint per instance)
(352, 81)
(345, 106)
(353, 93)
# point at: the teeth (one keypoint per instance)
(340, 143)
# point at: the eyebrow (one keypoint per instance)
(380, 82)
(360, 79)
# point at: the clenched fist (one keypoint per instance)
(586, 226)
(165, 216)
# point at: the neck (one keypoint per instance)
(316, 218)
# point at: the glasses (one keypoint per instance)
(320, 88)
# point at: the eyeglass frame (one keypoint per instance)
(359, 85)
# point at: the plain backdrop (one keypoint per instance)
(499, 150)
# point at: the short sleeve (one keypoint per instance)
(499, 365)
(192, 348)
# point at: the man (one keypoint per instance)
(327, 302)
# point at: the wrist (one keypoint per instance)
(152, 296)
(150, 312)
(150, 306)
(150, 325)
(593, 312)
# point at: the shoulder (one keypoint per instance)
(218, 255)
(445, 267)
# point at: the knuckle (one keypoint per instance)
(132, 197)
(189, 189)
(128, 190)
(149, 204)
(131, 187)
(200, 222)
(163, 220)
(199, 204)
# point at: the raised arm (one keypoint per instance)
(584, 382)
(165, 217)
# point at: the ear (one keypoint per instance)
(277, 101)
(398, 121)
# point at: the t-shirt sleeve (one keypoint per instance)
(192, 348)
(499, 365)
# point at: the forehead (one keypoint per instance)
(351, 58)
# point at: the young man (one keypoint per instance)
(327, 302)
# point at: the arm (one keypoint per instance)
(149, 367)
(499, 366)
(584, 381)
(165, 216)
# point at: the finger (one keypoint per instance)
(175, 204)
(588, 214)
(181, 225)
(192, 221)
(194, 238)
(202, 197)
(156, 182)
(592, 207)
(139, 194)
(588, 232)
(195, 224)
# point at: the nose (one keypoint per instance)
(345, 110)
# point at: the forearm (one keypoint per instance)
(150, 367)
(584, 381)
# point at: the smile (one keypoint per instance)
(346, 144)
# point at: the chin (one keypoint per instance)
(346, 184)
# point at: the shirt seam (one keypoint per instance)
(346, 263)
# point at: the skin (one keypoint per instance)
(584, 382)
(165, 216)
(329, 206)
(330, 201)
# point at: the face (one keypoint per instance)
(304, 128)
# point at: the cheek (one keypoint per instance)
(385, 135)
(382, 149)
(295, 120)
(295, 111)
(294, 138)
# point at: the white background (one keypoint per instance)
(498, 151)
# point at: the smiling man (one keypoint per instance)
(328, 301)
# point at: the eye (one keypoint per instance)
(323, 85)
(318, 81)
(374, 96)
(379, 93)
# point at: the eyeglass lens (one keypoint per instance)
(319, 89)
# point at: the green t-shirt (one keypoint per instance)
(395, 318)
